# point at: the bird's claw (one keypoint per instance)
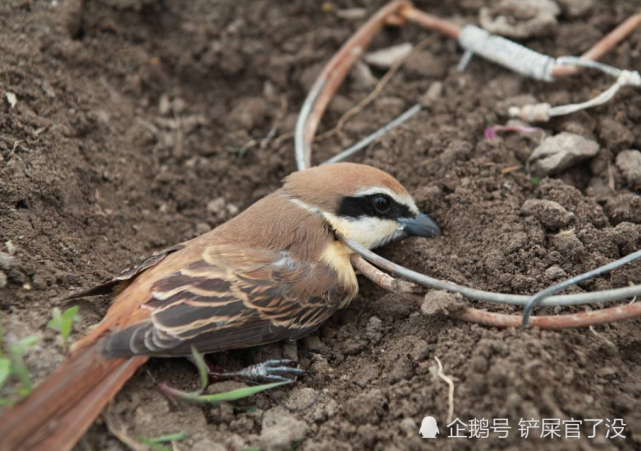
(270, 371)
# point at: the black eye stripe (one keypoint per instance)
(358, 206)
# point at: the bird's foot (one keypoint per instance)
(276, 370)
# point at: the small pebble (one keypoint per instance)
(555, 272)
(290, 351)
(374, 325)
(424, 65)
(408, 425)
(11, 248)
(520, 18)
(313, 343)
(433, 93)
(352, 13)
(216, 206)
(361, 76)
(12, 99)
(385, 58)
(624, 207)
(6, 260)
(202, 227)
(615, 135)
(551, 214)
(248, 113)
(232, 209)
(561, 152)
(629, 163)
(280, 430)
(207, 445)
(576, 8)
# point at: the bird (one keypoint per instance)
(277, 271)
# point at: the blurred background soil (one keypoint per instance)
(129, 133)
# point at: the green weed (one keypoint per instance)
(217, 399)
(13, 366)
(62, 322)
(156, 444)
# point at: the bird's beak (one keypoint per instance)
(421, 225)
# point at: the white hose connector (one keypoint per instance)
(506, 53)
(542, 112)
(535, 65)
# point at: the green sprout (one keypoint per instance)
(241, 151)
(63, 321)
(156, 444)
(12, 364)
(217, 399)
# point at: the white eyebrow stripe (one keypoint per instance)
(304, 206)
(375, 190)
(401, 199)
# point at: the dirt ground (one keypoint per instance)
(124, 140)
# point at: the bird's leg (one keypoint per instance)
(213, 371)
(276, 370)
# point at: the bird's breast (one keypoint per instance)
(337, 256)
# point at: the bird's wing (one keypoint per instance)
(232, 298)
(123, 279)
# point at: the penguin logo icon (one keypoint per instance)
(429, 428)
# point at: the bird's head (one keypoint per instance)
(360, 202)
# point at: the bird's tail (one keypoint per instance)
(66, 403)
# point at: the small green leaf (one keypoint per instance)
(235, 395)
(16, 351)
(19, 368)
(5, 369)
(215, 400)
(20, 347)
(12, 364)
(535, 180)
(6, 402)
(62, 322)
(169, 438)
(153, 446)
(196, 396)
(27, 342)
(71, 314)
(56, 320)
(202, 369)
(241, 151)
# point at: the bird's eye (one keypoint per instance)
(382, 204)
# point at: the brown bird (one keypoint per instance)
(276, 271)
